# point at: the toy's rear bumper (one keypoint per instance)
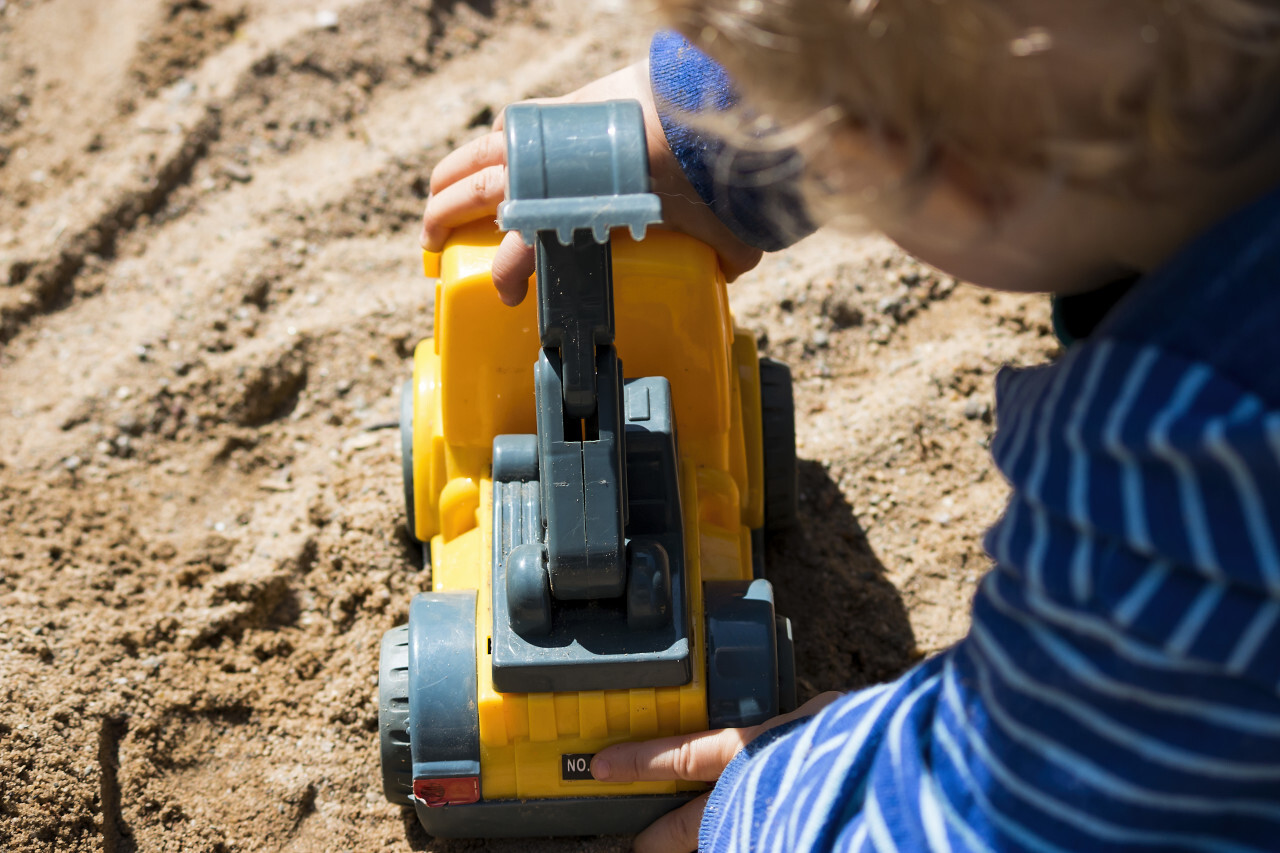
(534, 818)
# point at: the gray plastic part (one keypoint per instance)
(551, 817)
(648, 586)
(515, 457)
(575, 314)
(444, 726)
(393, 716)
(583, 485)
(528, 594)
(572, 167)
(742, 653)
(574, 171)
(592, 644)
(406, 455)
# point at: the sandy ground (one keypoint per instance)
(209, 290)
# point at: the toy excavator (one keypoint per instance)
(595, 541)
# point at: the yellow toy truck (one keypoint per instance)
(594, 542)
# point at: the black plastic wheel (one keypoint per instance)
(742, 653)
(757, 553)
(406, 454)
(393, 716)
(786, 665)
(778, 428)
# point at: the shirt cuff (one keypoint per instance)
(755, 193)
(709, 839)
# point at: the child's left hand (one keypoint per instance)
(699, 757)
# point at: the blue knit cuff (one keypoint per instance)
(755, 193)
(716, 802)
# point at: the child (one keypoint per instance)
(1120, 685)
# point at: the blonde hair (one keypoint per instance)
(992, 82)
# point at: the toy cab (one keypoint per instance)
(591, 475)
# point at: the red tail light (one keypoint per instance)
(454, 791)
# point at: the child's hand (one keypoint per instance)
(696, 758)
(469, 183)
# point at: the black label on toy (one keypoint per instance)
(576, 766)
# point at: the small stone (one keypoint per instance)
(820, 339)
(975, 408)
(360, 442)
(326, 19)
(237, 172)
(842, 314)
(128, 425)
(72, 463)
(182, 91)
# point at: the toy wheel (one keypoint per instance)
(742, 653)
(786, 665)
(757, 553)
(393, 716)
(406, 454)
(778, 431)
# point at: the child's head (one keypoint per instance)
(1121, 100)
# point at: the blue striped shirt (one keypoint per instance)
(1119, 688)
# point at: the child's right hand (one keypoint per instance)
(469, 183)
(700, 757)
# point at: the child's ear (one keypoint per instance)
(889, 188)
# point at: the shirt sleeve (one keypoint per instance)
(756, 192)
(1118, 688)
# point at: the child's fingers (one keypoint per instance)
(697, 758)
(479, 153)
(461, 202)
(675, 832)
(500, 122)
(512, 266)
